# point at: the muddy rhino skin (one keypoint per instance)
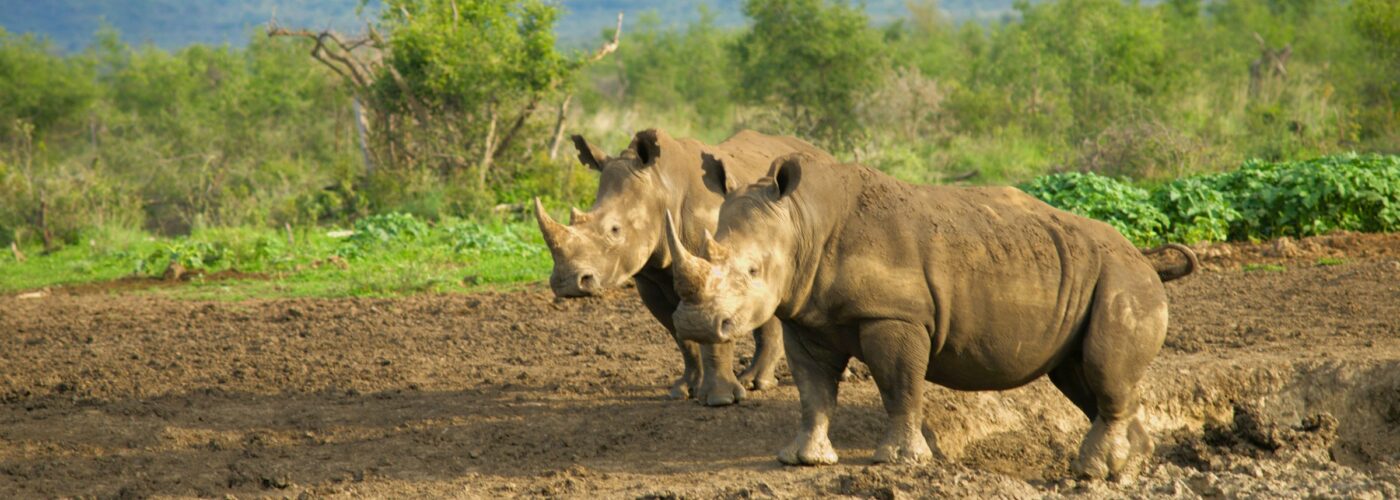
(974, 289)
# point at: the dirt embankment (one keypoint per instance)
(1273, 382)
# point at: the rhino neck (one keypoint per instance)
(816, 214)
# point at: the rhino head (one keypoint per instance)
(742, 273)
(606, 246)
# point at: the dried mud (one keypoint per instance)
(1272, 383)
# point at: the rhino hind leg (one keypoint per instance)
(768, 349)
(817, 373)
(1125, 331)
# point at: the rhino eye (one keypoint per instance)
(616, 230)
(753, 272)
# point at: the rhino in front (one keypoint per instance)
(618, 239)
(970, 288)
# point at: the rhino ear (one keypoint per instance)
(717, 172)
(647, 144)
(589, 155)
(787, 174)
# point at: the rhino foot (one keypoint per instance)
(752, 380)
(1113, 451)
(680, 389)
(721, 391)
(910, 449)
(808, 450)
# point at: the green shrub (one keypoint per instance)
(382, 230)
(1195, 211)
(1127, 208)
(192, 255)
(506, 240)
(1345, 192)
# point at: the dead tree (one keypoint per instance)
(1272, 64)
(360, 60)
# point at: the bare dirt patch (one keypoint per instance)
(1273, 383)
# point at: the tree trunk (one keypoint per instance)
(43, 224)
(488, 149)
(362, 130)
(559, 126)
(516, 126)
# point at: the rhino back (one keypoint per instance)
(1001, 281)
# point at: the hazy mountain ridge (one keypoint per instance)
(170, 24)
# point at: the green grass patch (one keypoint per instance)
(1331, 261)
(1268, 268)
(383, 255)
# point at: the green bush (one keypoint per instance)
(1345, 192)
(382, 230)
(1195, 210)
(475, 237)
(1123, 206)
(192, 255)
(1260, 200)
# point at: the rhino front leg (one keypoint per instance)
(689, 381)
(897, 354)
(719, 387)
(768, 345)
(817, 372)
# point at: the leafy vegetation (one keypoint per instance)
(1260, 200)
(1125, 207)
(427, 132)
(396, 255)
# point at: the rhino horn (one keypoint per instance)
(691, 272)
(577, 216)
(713, 250)
(554, 233)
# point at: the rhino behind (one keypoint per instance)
(970, 288)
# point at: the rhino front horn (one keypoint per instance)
(554, 232)
(690, 272)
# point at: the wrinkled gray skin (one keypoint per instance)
(971, 288)
(618, 239)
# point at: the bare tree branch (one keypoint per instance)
(517, 125)
(608, 47)
(559, 126)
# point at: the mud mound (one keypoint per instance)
(1277, 383)
(1328, 249)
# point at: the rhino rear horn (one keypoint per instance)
(713, 250)
(577, 216)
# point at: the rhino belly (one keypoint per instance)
(1004, 337)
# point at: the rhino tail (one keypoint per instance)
(1178, 272)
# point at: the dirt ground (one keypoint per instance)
(1273, 382)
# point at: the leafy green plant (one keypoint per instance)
(191, 255)
(1195, 211)
(1124, 206)
(1344, 192)
(466, 238)
(382, 230)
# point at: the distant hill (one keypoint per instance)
(171, 24)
